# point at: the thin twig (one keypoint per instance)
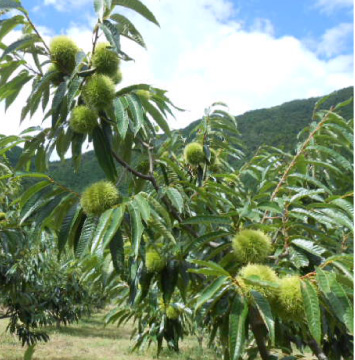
(38, 34)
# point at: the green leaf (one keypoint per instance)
(57, 102)
(208, 219)
(65, 228)
(103, 223)
(237, 318)
(10, 4)
(136, 111)
(137, 6)
(127, 29)
(156, 115)
(143, 207)
(255, 280)
(117, 252)
(213, 266)
(136, 227)
(20, 44)
(103, 153)
(336, 296)
(86, 235)
(265, 312)
(7, 25)
(26, 195)
(342, 306)
(77, 142)
(309, 246)
(12, 87)
(112, 35)
(312, 310)
(115, 223)
(120, 117)
(175, 198)
(210, 291)
(200, 241)
(99, 8)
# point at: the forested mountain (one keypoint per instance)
(277, 126)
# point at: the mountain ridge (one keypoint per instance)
(276, 126)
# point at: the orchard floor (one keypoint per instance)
(90, 340)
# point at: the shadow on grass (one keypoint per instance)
(91, 327)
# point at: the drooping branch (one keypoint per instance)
(149, 177)
(164, 198)
(317, 350)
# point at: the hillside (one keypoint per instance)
(276, 126)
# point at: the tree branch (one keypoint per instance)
(317, 350)
(164, 198)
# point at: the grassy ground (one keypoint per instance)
(90, 340)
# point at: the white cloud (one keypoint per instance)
(329, 6)
(67, 5)
(263, 26)
(335, 40)
(200, 56)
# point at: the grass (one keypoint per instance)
(90, 340)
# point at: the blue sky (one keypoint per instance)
(248, 53)
(304, 19)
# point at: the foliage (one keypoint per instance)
(36, 288)
(189, 213)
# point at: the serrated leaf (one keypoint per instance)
(121, 117)
(115, 223)
(264, 309)
(136, 227)
(127, 29)
(208, 219)
(309, 246)
(143, 207)
(210, 290)
(175, 198)
(136, 111)
(103, 153)
(112, 35)
(117, 252)
(237, 318)
(57, 102)
(200, 241)
(157, 116)
(10, 4)
(212, 265)
(137, 6)
(312, 310)
(65, 228)
(20, 44)
(86, 235)
(7, 25)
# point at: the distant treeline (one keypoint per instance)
(277, 126)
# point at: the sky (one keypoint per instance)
(250, 54)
